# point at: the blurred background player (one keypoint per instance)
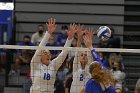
(43, 69)
(137, 87)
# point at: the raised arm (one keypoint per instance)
(80, 32)
(88, 43)
(76, 62)
(51, 28)
(61, 57)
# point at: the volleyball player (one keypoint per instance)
(137, 87)
(80, 66)
(43, 70)
(101, 81)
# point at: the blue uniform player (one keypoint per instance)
(101, 81)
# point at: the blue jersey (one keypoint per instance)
(96, 58)
(61, 39)
(93, 86)
(105, 63)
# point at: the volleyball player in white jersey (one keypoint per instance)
(80, 66)
(43, 70)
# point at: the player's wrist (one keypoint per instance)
(50, 32)
(70, 38)
(91, 47)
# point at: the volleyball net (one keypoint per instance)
(15, 67)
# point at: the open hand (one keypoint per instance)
(80, 31)
(88, 38)
(72, 31)
(51, 25)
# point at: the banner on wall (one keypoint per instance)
(6, 6)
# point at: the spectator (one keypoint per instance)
(52, 42)
(113, 57)
(137, 88)
(61, 74)
(63, 71)
(27, 83)
(118, 75)
(68, 82)
(24, 56)
(2, 70)
(68, 79)
(12, 71)
(61, 39)
(37, 37)
(59, 87)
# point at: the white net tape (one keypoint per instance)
(71, 48)
(129, 61)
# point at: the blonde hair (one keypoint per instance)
(117, 58)
(101, 76)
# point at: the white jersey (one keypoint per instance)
(80, 76)
(119, 77)
(138, 84)
(43, 77)
(36, 38)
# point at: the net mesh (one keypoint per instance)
(19, 72)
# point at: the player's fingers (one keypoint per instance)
(73, 26)
(51, 20)
(48, 21)
(75, 30)
(89, 29)
(70, 26)
(54, 20)
(85, 37)
(47, 24)
(79, 26)
(67, 32)
(82, 27)
(85, 30)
